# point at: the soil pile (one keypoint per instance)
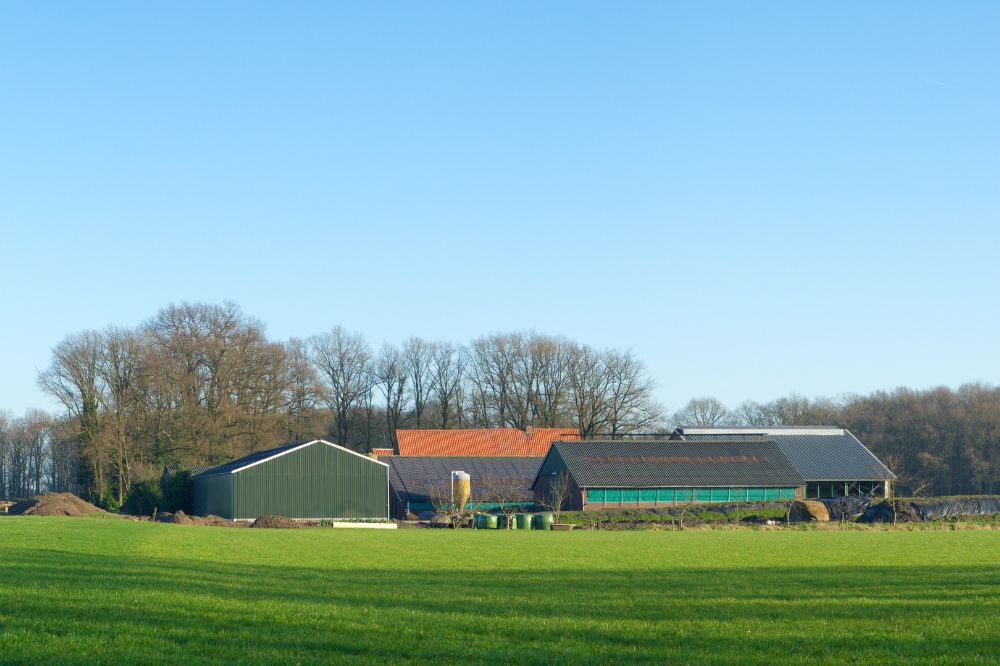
(274, 521)
(181, 518)
(54, 504)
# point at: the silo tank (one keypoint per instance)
(461, 488)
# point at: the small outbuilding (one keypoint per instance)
(314, 480)
(629, 474)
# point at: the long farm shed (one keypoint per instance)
(313, 480)
(617, 474)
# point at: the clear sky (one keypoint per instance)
(757, 198)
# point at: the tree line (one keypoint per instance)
(203, 383)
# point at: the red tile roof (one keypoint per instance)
(383, 452)
(481, 441)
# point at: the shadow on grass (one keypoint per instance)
(75, 606)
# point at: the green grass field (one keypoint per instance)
(113, 591)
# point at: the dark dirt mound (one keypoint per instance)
(54, 504)
(179, 518)
(274, 521)
(215, 521)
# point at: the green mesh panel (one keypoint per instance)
(665, 495)
(595, 495)
(613, 495)
(720, 494)
(630, 495)
(647, 495)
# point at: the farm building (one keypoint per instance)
(606, 474)
(311, 480)
(416, 481)
(532, 442)
(832, 461)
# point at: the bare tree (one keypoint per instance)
(391, 378)
(589, 385)
(610, 392)
(630, 404)
(303, 392)
(457, 513)
(552, 396)
(73, 379)
(121, 369)
(416, 356)
(342, 359)
(507, 494)
(755, 414)
(5, 471)
(447, 371)
(557, 491)
(703, 412)
(24, 453)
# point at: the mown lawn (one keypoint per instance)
(112, 591)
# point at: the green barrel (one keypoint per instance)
(478, 521)
(543, 521)
(490, 521)
(523, 521)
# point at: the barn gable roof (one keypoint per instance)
(174, 468)
(412, 476)
(819, 454)
(240, 464)
(533, 442)
(750, 462)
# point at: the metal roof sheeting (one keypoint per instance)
(246, 460)
(819, 457)
(751, 462)
(411, 476)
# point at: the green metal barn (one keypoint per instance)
(313, 480)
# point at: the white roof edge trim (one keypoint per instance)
(777, 430)
(302, 446)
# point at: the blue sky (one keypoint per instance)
(758, 198)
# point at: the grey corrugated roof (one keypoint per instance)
(173, 468)
(754, 461)
(826, 457)
(246, 460)
(411, 476)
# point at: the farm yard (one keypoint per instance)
(103, 589)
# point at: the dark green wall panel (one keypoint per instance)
(317, 481)
(213, 496)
